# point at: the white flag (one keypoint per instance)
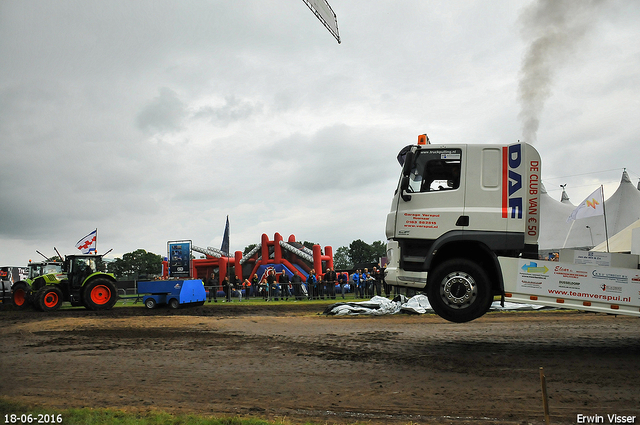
(590, 207)
(87, 244)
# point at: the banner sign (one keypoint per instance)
(582, 282)
(179, 258)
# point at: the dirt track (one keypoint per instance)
(289, 361)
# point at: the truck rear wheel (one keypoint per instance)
(459, 291)
(99, 294)
(49, 298)
(20, 296)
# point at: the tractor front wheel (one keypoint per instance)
(99, 294)
(49, 298)
(20, 295)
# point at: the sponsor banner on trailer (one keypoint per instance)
(582, 282)
(179, 258)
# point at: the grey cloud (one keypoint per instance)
(233, 110)
(336, 158)
(165, 113)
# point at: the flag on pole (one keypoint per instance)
(326, 15)
(87, 245)
(225, 239)
(590, 207)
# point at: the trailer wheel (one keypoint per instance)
(20, 295)
(174, 303)
(99, 294)
(459, 291)
(150, 303)
(49, 298)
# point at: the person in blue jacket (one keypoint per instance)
(355, 277)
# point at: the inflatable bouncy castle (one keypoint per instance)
(290, 256)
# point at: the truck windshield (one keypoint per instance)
(436, 170)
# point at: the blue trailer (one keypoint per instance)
(176, 292)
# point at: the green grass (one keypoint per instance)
(88, 416)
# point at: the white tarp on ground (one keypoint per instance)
(418, 304)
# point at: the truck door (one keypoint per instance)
(436, 196)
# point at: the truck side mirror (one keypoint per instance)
(404, 185)
(408, 164)
(406, 171)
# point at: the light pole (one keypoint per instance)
(590, 233)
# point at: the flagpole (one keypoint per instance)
(604, 213)
(96, 241)
(568, 233)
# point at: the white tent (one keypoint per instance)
(553, 221)
(565, 198)
(621, 241)
(622, 209)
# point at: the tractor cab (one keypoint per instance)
(42, 268)
(80, 267)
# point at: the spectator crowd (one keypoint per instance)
(280, 286)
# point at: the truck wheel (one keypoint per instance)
(99, 294)
(150, 303)
(49, 298)
(174, 303)
(20, 296)
(459, 291)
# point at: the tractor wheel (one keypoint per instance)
(174, 303)
(49, 298)
(20, 296)
(150, 303)
(459, 291)
(99, 294)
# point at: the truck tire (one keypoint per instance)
(174, 303)
(49, 298)
(20, 295)
(99, 294)
(459, 291)
(150, 303)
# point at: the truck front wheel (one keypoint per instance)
(459, 291)
(99, 294)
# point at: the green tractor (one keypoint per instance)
(77, 280)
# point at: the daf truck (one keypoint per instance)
(464, 226)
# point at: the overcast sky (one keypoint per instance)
(154, 120)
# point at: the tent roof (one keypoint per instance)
(565, 198)
(553, 217)
(621, 241)
(622, 209)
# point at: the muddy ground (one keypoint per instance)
(290, 361)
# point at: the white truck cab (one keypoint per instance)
(463, 218)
